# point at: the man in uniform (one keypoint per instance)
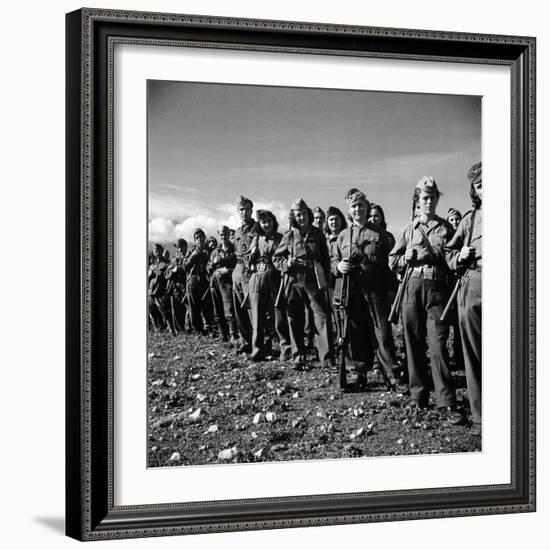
(303, 256)
(197, 281)
(158, 300)
(241, 273)
(220, 267)
(420, 249)
(464, 256)
(175, 275)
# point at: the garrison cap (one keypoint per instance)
(299, 204)
(319, 210)
(355, 195)
(474, 173)
(223, 229)
(243, 201)
(198, 231)
(427, 184)
(158, 246)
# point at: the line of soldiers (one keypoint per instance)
(258, 287)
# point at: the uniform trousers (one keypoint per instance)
(423, 303)
(196, 287)
(224, 314)
(263, 287)
(469, 318)
(240, 288)
(303, 290)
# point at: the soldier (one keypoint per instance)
(175, 275)
(334, 225)
(318, 218)
(464, 254)
(453, 217)
(362, 252)
(241, 273)
(263, 287)
(197, 281)
(158, 302)
(211, 244)
(220, 267)
(419, 248)
(302, 256)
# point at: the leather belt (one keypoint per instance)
(429, 272)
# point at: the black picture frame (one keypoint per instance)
(90, 512)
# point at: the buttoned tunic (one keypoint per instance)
(423, 303)
(469, 302)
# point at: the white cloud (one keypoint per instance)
(209, 218)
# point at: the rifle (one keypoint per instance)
(460, 280)
(279, 300)
(341, 302)
(397, 301)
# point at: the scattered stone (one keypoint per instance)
(258, 417)
(177, 357)
(156, 382)
(154, 448)
(295, 395)
(195, 376)
(400, 442)
(278, 447)
(194, 417)
(213, 429)
(271, 417)
(201, 397)
(151, 355)
(259, 454)
(175, 457)
(176, 373)
(228, 454)
(357, 433)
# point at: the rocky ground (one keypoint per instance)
(207, 404)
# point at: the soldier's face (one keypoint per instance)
(158, 252)
(454, 220)
(224, 238)
(245, 212)
(183, 249)
(427, 202)
(478, 189)
(334, 224)
(318, 219)
(301, 217)
(358, 211)
(199, 240)
(375, 217)
(267, 225)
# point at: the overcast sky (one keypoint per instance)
(209, 143)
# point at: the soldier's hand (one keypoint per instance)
(344, 266)
(292, 262)
(466, 253)
(421, 255)
(410, 255)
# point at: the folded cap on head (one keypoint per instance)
(427, 184)
(318, 210)
(298, 204)
(158, 246)
(243, 201)
(355, 196)
(223, 229)
(474, 173)
(180, 242)
(198, 231)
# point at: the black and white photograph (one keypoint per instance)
(314, 273)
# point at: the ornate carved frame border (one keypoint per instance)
(91, 36)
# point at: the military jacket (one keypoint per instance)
(175, 273)
(461, 237)
(368, 253)
(262, 248)
(195, 261)
(439, 233)
(156, 277)
(221, 257)
(332, 241)
(312, 246)
(241, 241)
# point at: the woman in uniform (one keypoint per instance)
(302, 257)
(420, 250)
(263, 288)
(464, 256)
